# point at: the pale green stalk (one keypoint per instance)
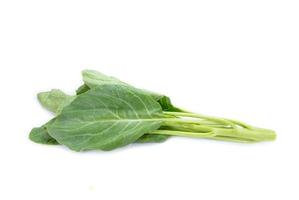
(201, 126)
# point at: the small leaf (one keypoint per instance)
(166, 104)
(54, 100)
(83, 88)
(151, 138)
(94, 78)
(40, 135)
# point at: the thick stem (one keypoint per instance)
(253, 135)
(201, 126)
(199, 116)
(235, 135)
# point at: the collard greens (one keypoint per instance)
(107, 113)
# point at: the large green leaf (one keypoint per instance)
(55, 100)
(106, 117)
(94, 78)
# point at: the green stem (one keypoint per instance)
(194, 115)
(236, 135)
(196, 125)
(190, 122)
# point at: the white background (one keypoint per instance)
(236, 59)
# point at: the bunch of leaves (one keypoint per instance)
(107, 113)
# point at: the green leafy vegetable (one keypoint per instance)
(107, 113)
(55, 100)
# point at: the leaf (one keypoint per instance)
(54, 100)
(151, 138)
(94, 78)
(40, 135)
(83, 88)
(166, 104)
(106, 117)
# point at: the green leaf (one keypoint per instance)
(166, 104)
(151, 138)
(83, 88)
(94, 78)
(106, 117)
(54, 100)
(40, 135)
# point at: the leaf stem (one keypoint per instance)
(194, 115)
(236, 135)
(196, 125)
